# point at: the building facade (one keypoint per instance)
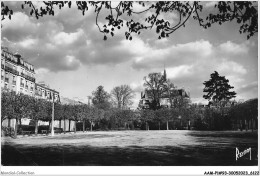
(44, 92)
(19, 76)
(16, 74)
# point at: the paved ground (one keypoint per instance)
(135, 148)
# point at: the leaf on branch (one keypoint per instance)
(31, 12)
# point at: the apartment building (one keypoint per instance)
(43, 91)
(16, 74)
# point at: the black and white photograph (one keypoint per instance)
(129, 83)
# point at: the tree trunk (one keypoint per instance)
(83, 126)
(159, 126)
(50, 125)
(60, 124)
(241, 126)
(69, 125)
(64, 130)
(36, 127)
(20, 121)
(75, 126)
(252, 124)
(9, 122)
(147, 126)
(189, 125)
(246, 125)
(90, 125)
(16, 128)
(167, 125)
(133, 126)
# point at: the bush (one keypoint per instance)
(25, 128)
(79, 126)
(7, 131)
(200, 125)
(43, 127)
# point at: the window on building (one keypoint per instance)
(6, 79)
(2, 74)
(14, 81)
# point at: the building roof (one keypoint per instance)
(65, 100)
(17, 59)
(45, 87)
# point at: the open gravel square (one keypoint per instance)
(132, 148)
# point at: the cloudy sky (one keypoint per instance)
(70, 55)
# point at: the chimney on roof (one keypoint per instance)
(17, 55)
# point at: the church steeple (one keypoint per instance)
(164, 73)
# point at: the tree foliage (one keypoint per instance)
(125, 13)
(122, 96)
(155, 87)
(17, 106)
(244, 111)
(217, 89)
(100, 98)
(6, 105)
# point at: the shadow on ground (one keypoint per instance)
(206, 154)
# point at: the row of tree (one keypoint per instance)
(111, 110)
(18, 106)
(120, 97)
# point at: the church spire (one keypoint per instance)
(164, 73)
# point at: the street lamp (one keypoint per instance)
(180, 120)
(52, 119)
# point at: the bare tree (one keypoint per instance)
(122, 96)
